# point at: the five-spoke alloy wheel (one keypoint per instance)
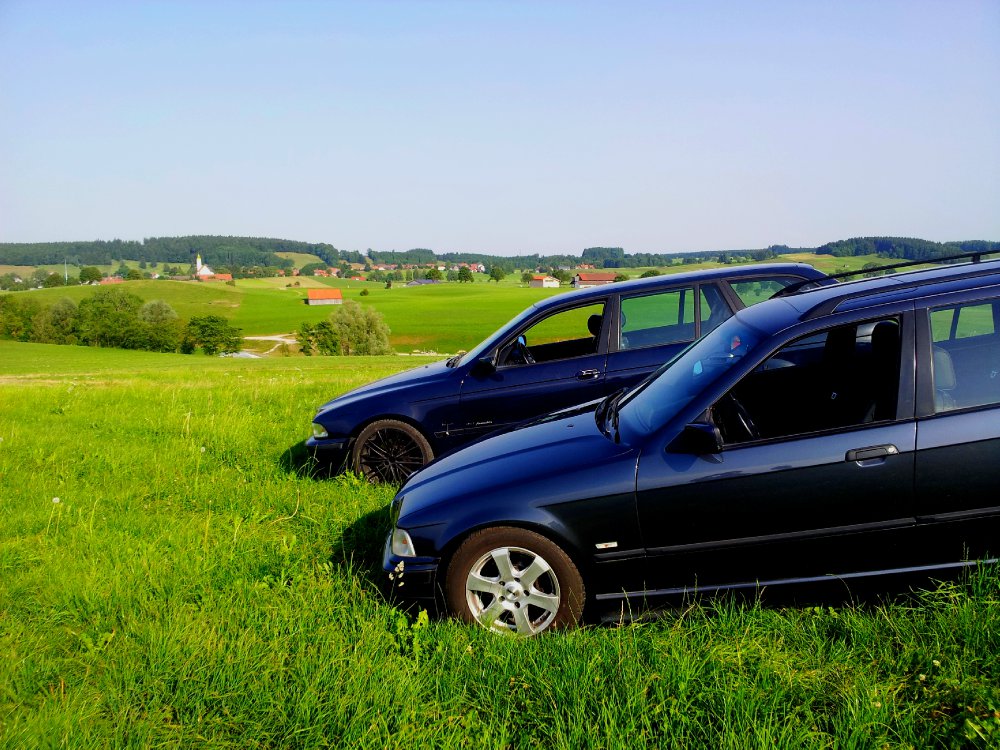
(389, 451)
(514, 581)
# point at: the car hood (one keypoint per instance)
(418, 376)
(541, 452)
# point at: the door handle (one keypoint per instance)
(587, 374)
(872, 451)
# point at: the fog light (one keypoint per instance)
(402, 545)
(319, 431)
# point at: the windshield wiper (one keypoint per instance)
(454, 360)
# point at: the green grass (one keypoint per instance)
(300, 259)
(191, 589)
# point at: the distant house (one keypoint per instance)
(422, 282)
(324, 297)
(112, 280)
(587, 280)
(223, 277)
(320, 272)
(541, 281)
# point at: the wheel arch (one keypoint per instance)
(572, 549)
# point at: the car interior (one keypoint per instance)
(848, 375)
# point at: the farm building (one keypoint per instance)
(587, 280)
(541, 281)
(324, 297)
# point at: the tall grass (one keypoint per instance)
(190, 588)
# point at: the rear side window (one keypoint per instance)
(669, 317)
(654, 319)
(965, 356)
(757, 290)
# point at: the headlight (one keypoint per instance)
(402, 545)
(319, 431)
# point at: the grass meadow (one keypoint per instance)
(168, 579)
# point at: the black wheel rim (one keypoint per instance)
(390, 456)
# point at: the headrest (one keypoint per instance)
(944, 370)
(594, 323)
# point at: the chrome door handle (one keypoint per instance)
(587, 374)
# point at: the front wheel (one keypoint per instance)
(390, 451)
(514, 581)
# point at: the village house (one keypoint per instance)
(587, 280)
(324, 297)
(543, 281)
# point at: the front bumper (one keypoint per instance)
(410, 580)
(329, 452)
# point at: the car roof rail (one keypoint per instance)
(830, 304)
(807, 284)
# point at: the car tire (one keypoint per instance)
(514, 581)
(389, 451)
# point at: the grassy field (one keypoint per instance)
(168, 579)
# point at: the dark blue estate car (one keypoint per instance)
(849, 431)
(564, 350)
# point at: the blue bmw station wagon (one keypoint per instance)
(851, 431)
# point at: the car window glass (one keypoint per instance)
(563, 335)
(714, 308)
(841, 377)
(753, 291)
(658, 399)
(654, 319)
(965, 357)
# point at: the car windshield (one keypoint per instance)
(674, 385)
(480, 349)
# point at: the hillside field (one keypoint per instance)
(168, 578)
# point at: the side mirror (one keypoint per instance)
(483, 367)
(698, 438)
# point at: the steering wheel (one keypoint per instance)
(742, 417)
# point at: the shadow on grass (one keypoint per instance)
(299, 460)
(359, 548)
(864, 594)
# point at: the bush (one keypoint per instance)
(350, 329)
(213, 334)
(110, 317)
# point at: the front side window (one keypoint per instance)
(842, 377)
(563, 335)
(965, 361)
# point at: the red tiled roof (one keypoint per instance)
(325, 294)
(597, 276)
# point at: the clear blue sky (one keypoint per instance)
(501, 126)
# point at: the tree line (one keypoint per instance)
(214, 251)
(237, 253)
(113, 317)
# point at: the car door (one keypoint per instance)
(816, 473)
(553, 361)
(958, 433)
